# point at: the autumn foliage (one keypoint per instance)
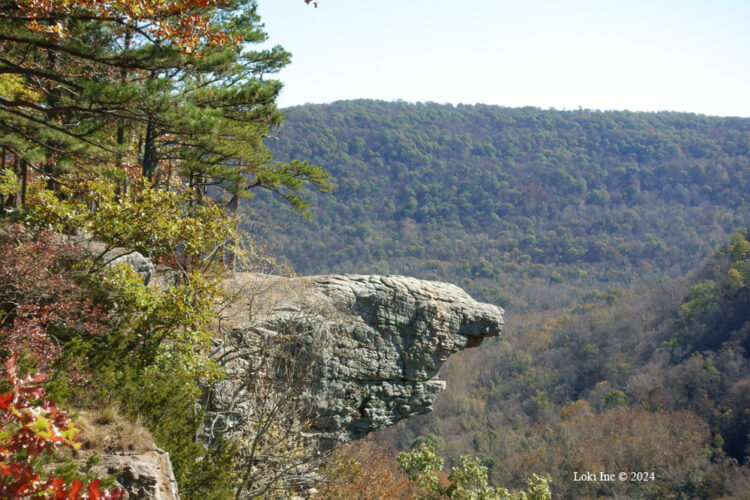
(367, 471)
(30, 429)
(41, 305)
(140, 123)
(186, 23)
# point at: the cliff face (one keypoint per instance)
(318, 361)
(374, 343)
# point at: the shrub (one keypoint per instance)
(364, 470)
(31, 430)
(41, 304)
(468, 482)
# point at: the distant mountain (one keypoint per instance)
(511, 203)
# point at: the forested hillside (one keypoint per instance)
(601, 216)
(130, 134)
(511, 203)
(655, 380)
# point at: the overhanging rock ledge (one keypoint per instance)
(380, 342)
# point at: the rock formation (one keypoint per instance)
(376, 344)
(331, 358)
(111, 255)
(146, 475)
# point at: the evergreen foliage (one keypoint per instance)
(145, 124)
(167, 89)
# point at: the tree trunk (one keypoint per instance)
(149, 151)
(12, 200)
(2, 168)
(24, 176)
(231, 255)
(53, 99)
(120, 126)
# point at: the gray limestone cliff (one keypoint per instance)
(373, 345)
(323, 359)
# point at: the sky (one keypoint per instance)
(639, 55)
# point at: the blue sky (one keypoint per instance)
(687, 55)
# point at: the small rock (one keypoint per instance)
(145, 476)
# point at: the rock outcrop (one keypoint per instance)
(378, 343)
(318, 361)
(111, 255)
(146, 475)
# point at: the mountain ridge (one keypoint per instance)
(483, 195)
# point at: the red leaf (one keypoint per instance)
(5, 400)
(93, 490)
(75, 488)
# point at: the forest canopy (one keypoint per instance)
(143, 125)
(510, 203)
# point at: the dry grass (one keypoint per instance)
(105, 430)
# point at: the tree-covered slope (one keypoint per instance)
(511, 203)
(654, 379)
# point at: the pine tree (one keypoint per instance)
(169, 88)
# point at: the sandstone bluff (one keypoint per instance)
(379, 343)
